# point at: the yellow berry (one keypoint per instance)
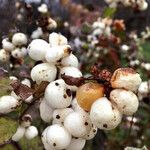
(88, 93)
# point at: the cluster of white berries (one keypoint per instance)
(102, 26)
(74, 119)
(72, 125)
(15, 48)
(138, 4)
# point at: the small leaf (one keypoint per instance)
(7, 129)
(109, 12)
(22, 90)
(5, 86)
(73, 81)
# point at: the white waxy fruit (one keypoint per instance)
(13, 94)
(4, 56)
(78, 124)
(56, 39)
(142, 5)
(143, 88)
(43, 8)
(31, 132)
(17, 53)
(46, 112)
(7, 104)
(37, 33)
(58, 95)
(70, 61)
(43, 72)
(57, 137)
(59, 115)
(19, 39)
(72, 72)
(76, 144)
(126, 101)
(7, 45)
(126, 78)
(26, 82)
(19, 133)
(91, 134)
(37, 49)
(101, 112)
(56, 53)
(45, 141)
(24, 51)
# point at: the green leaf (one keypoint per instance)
(7, 129)
(146, 50)
(5, 86)
(86, 28)
(34, 144)
(109, 12)
(8, 147)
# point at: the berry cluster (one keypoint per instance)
(14, 47)
(136, 4)
(75, 113)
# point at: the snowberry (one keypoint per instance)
(73, 72)
(37, 49)
(126, 101)
(7, 45)
(31, 132)
(17, 53)
(43, 72)
(76, 144)
(126, 78)
(58, 95)
(88, 93)
(37, 33)
(56, 39)
(24, 51)
(46, 111)
(4, 56)
(13, 94)
(143, 5)
(19, 133)
(12, 78)
(45, 141)
(43, 8)
(102, 112)
(29, 99)
(19, 39)
(125, 48)
(56, 53)
(59, 115)
(8, 104)
(143, 88)
(70, 61)
(26, 82)
(52, 24)
(78, 124)
(91, 134)
(57, 137)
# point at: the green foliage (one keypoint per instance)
(146, 50)
(86, 28)
(7, 128)
(109, 12)
(34, 144)
(4, 85)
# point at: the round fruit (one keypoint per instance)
(88, 93)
